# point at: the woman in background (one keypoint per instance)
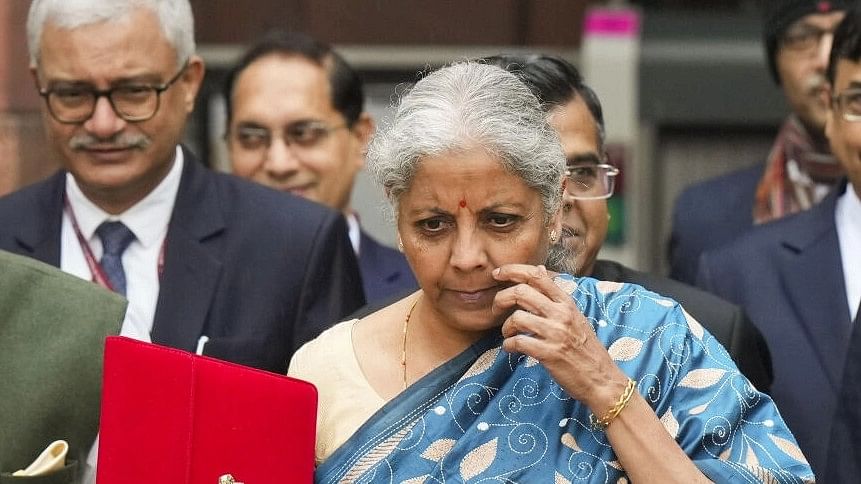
(498, 370)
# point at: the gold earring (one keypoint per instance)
(400, 243)
(553, 236)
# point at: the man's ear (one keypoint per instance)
(191, 80)
(34, 73)
(362, 130)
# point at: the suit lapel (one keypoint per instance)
(370, 262)
(38, 236)
(192, 259)
(605, 270)
(813, 278)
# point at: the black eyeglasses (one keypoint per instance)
(75, 104)
(591, 181)
(848, 104)
(302, 134)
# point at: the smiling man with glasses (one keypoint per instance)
(296, 123)
(844, 131)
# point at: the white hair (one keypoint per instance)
(174, 17)
(461, 107)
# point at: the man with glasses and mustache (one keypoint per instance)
(799, 171)
(575, 112)
(799, 278)
(296, 123)
(208, 262)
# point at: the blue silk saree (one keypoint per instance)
(492, 416)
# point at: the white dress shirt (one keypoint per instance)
(848, 220)
(354, 232)
(148, 220)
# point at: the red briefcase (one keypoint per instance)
(172, 416)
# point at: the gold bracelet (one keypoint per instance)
(615, 410)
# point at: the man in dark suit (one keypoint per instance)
(844, 133)
(208, 262)
(52, 334)
(296, 123)
(799, 171)
(575, 112)
(799, 278)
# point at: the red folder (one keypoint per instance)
(172, 416)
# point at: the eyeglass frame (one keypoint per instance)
(289, 140)
(108, 93)
(837, 100)
(611, 173)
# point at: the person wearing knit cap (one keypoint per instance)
(799, 170)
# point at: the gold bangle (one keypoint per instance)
(615, 410)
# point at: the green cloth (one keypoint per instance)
(52, 332)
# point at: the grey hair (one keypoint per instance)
(464, 106)
(560, 259)
(174, 17)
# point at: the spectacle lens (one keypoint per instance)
(72, 104)
(591, 181)
(848, 103)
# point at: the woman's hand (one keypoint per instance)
(546, 324)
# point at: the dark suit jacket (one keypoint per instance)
(385, 271)
(844, 453)
(788, 276)
(708, 215)
(257, 271)
(52, 331)
(725, 321)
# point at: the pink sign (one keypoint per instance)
(612, 23)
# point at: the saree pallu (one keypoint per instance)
(492, 416)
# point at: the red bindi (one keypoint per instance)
(824, 7)
(462, 203)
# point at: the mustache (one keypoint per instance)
(815, 83)
(120, 141)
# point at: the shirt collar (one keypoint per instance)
(848, 213)
(147, 219)
(353, 231)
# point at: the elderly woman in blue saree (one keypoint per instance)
(499, 370)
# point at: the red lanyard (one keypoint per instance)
(99, 276)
